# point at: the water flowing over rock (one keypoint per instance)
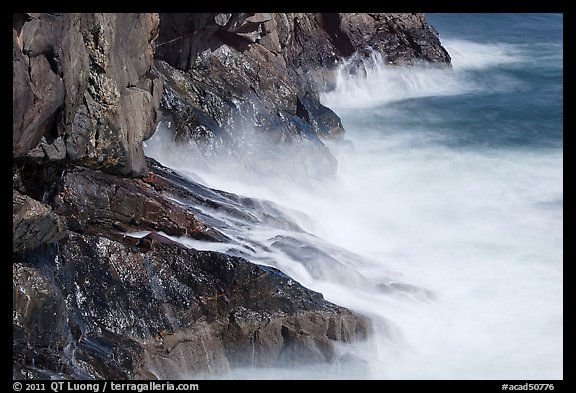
(226, 75)
(130, 306)
(105, 281)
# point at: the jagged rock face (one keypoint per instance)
(223, 116)
(298, 43)
(82, 89)
(222, 85)
(34, 223)
(90, 199)
(227, 75)
(85, 90)
(90, 301)
(128, 307)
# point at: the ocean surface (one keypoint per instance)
(450, 185)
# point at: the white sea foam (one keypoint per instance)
(480, 229)
(383, 84)
(468, 55)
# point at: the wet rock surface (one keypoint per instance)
(107, 282)
(131, 307)
(100, 303)
(92, 200)
(227, 76)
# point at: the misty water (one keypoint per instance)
(449, 184)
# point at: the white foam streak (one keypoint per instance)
(384, 84)
(481, 229)
(468, 55)
(477, 231)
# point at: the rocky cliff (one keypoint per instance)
(83, 89)
(103, 286)
(227, 75)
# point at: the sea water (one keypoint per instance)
(451, 181)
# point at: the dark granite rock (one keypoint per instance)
(92, 200)
(90, 301)
(126, 310)
(226, 75)
(122, 307)
(83, 90)
(33, 223)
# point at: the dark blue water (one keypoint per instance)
(510, 70)
(526, 115)
(514, 28)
